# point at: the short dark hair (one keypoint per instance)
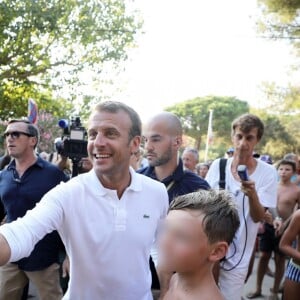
(114, 107)
(287, 162)
(221, 219)
(31, 129)
(246, 123)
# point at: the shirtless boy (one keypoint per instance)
(198, 229)
(292, 275)
(288, 195)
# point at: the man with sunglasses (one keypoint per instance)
(22, 184)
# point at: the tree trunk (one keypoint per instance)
(198, 143)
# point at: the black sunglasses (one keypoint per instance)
(16, 134)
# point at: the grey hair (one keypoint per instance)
(221, 219)
(193, 151)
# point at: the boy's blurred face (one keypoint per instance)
(285, 172)
(184, 246)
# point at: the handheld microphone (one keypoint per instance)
(63, 123)
(242, 172)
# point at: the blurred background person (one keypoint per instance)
(294, 157)
(137, 159)
(202, 169)
(230, 152)
(190, 158)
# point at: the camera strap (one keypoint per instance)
(169, 186)
(222, 167)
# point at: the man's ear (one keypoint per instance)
(219, 250)
(177, 141)
(34, 141)
(135, 144)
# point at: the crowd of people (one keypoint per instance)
(142, 220)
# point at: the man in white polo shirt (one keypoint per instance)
(107, 218)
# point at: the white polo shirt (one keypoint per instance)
(108, 240)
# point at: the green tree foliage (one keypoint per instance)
(14, 101)
(194, 115)
(284, 100)
(281, 19)
(277, 139)
(49, 131)
(44, 45)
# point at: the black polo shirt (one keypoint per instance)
(181, 182)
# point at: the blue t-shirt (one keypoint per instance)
(19, 195)
(181, 182)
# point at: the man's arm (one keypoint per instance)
(290, 235)
(298, 200)
(257, 211)
(4, 251)
(18, 238)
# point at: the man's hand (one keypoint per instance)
(268, 218)
(248, 187)
(277, 223)
(257, 211)
(5, 251)
(66, 267)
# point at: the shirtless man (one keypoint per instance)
(288, 195)
(292, 276)
(198, 229)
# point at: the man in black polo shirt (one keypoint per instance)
(23, 184)
(163, 138)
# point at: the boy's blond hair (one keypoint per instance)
(221, 219)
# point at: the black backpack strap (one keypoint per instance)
(222, 182)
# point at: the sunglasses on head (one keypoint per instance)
(15, 134)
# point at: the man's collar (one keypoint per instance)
(39, 162)
(135, 182)
(176, 175)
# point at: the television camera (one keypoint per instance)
(73, 143)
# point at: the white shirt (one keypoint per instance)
(108, 240)
(265, 178)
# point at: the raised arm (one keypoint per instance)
(4, 251)
(18, 238)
